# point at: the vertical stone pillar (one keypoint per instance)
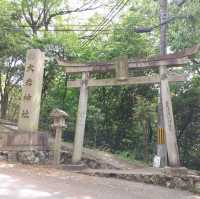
(59, 123)
(57, 145)
(171, 141)
(81, 118)
(31, 91)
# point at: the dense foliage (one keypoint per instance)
(120, 119)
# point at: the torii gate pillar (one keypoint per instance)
(81, 118)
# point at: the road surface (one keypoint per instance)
(27, 182)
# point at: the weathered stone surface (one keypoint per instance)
(169, 184)
(23, 141)
(3, 156)
(175, 171)
(197, 187)
(179, 183)
(3, 140)
(155, 179)
(12, 156)
(66, 158)
(74, 167)
(32, 157)
(26, 139)
(58, 113)
(186, 182)
(31, 92)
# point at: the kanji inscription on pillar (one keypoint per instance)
(31, 91)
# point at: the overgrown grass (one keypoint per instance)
(130, 157)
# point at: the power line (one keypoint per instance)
(114, 11)
(52, 30)
(19, 29)
(101, 30)
(117, 5)
(109, 17)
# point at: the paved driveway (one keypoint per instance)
(26, 182)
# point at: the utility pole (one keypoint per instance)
(161, 141)
(166, 117)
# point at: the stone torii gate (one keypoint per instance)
(121, 67)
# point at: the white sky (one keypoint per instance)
(83, 17)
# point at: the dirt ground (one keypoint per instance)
(42, 182)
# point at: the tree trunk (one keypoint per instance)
(4, 105)
(145, 141)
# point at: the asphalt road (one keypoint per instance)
(25, 182)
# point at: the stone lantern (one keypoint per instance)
(59, 122)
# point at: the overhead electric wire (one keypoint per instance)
(101, 29)
(104, 21)
(109, 18)
(100, 26)
(119, 6)
(116, 6)
(52, 30)
(135, 29)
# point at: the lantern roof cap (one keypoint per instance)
(58, 113)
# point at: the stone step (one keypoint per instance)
(190, 181)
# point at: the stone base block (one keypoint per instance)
(12, 157)
(27, 141)
(32, 157)
(178, 171)
(3, 156)
(26, 157)
(74, 167)
(197, 188)
(27, 148)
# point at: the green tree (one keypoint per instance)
(13, 45)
